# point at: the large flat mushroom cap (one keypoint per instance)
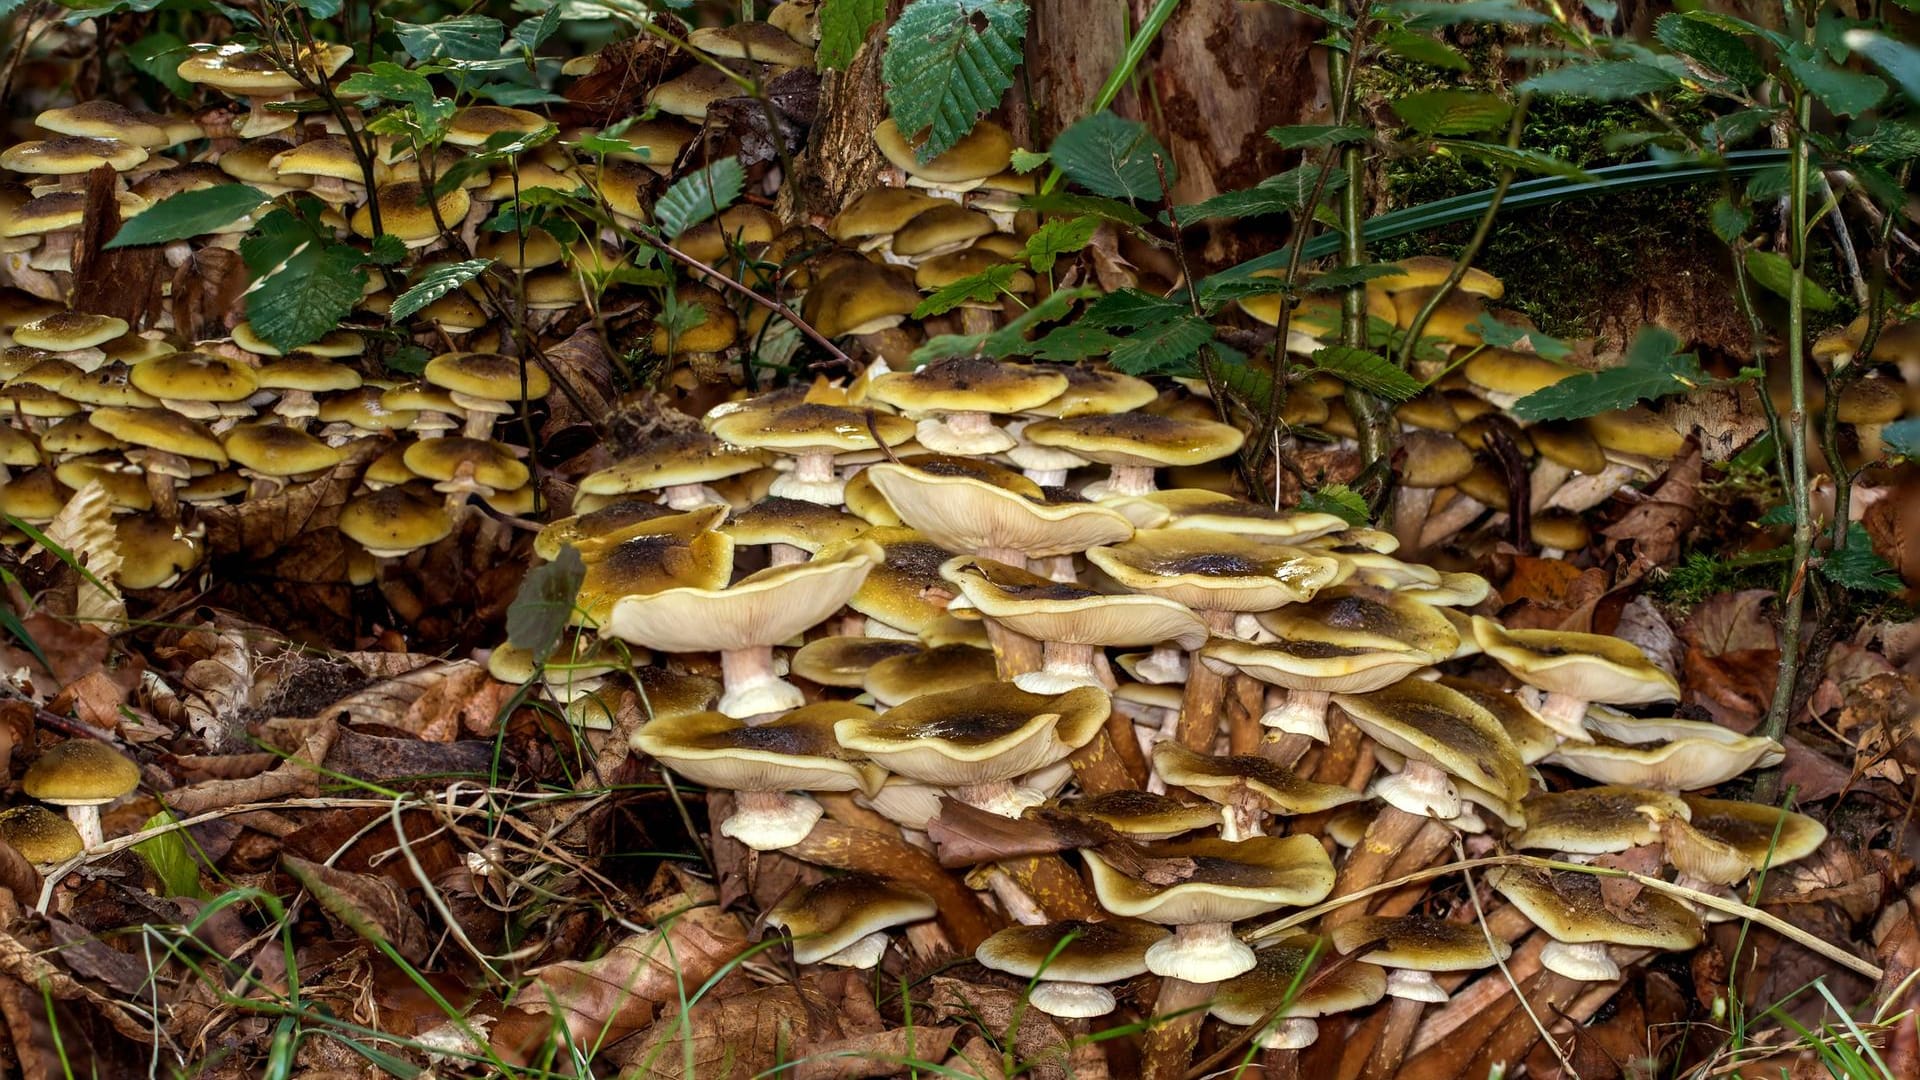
(967, 384)
(978, 735)
(1765, 835)
(795, 522)
(984, 151)
(831, 915)
(1138, 438)
(80, 772)
(905, 589)
(1570, 907)
(1668, 755)
(1231, 880)
(277, 450)
(1433, 723)
(1048, 610)
(1224, 779)
(1420, 943)
(63, 331)
(790, 424)
(1596, 820)
(845, 661)
(161, 429)
(970, 516)
(1143, 815)
(1277, 980)
(395, 520)
(1360, 615)
(1591, 667)
(493, 464)
(796, 751)
(860, 298)
(1216, 571)
(616, 515)
(64, 155)
(192, 376)
(1428, 271)
(759, 610)
(1201, 508)
(488, 375)
(1096, 392)
(673, 458)
(1532, 738)
(1094, 952)
(878, 211)
(936, 670)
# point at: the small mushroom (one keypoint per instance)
(1570, 907)
(843, 920)
(1247, 786)
(40, 835)
(81, 775)
(1573, 669)
(1071, 961)
(1280, 986)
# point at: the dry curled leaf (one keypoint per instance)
(432, 702)
(367, 906)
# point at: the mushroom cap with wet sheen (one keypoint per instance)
(652, 555)
(1231, 880)
(979, 735)
(832, 915)
(845, 661)
(80, 772)
(1570, 907)
(1419, 943)
(1048, 610)
(40, 835)
(1138, 438)
(761, 609)
(395, 520)
(967, 384)
(1093, 952)
(1143, 815)
(1596, 820)
(277, 450)
(163, 430)
(971, 516)
(795, 751)
(1215, 571)
(1430, 722)
(1230, 778)
(667, 459)
(1591, 667)
(1764, 835)
(1276, 981)
(1668, 755)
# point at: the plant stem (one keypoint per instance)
(1373, 423)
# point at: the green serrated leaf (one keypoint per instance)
(1061, 201)
(1369, 371)
(949, 61)
(463, 37)
(1131, 307)
(1603, 80)
(1437, 13)
(1422, 49)
(1025, 161)
(1009, 340)
(698, 196)
(1857, 566)
(542, 608)
(385, 81)
(306, 281)
(1057, 237)
(1114, 157)
(1452, 112)
(170, 858)
(1725, 132)
(1278, 194)
(1843, 92)
(1517, 158)
(843, 29)
(1337, 499)
(532, 33)
(1898, 59)
(1712, 48)
(434, 284)
(187, 215)
(158, 56)
(1728, 221)
(988, 284)
(1774, 273)
(1652, 368)
(1499, 335)
(1346, 277)
(1163, 347)
(1890, 141)
(1313, 136)
(1902, 437)
(1071, 344)
(387, 250)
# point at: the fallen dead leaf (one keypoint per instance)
(430, 702)
(366, 906)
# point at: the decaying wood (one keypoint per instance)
(842, 847)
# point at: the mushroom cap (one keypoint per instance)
(1765, 835)
(124, 490)
(29, 400)
(313, 374)
(672, 458)
(967, 384)
(982, 152)
(1199, 508)
(1096, 391)
(64, 331)
(1048, 610)
(242, 71)
(844, 661)
(1872, 400)
(1430, 722)
(759, 41)
(1451, 322)
(109, 385)
(1215, 571)
(104, 120)
(395, 520)
(154, 552)
(493, 463)
(860, 298)
(1532, 738)
(793, 752)
(1430, 411)
(759, 610)
(878, 211)
(34, 496)
(1434, 460)
(1562, 529)
(830, 915)
(277, 450)
(66, 155)
(193, 376)
(1668, 755)
(692, 92)
(418, 396)
(475, 124)
(790, 424)
(1419, 943)
(80, 772)
(40, 835)
(651, 555)
(17, 449)
(1568, 443)
(1231, 880)
(1591, 667)
(669, 693)
(979, 735)
(163, 430)
(905, 590)
(971, 516)
(488, 375)
(365, 408)
(1228, 779)
(716, 331)
(1277, 980)
(1513, 374)
(1570, 907)
(1596, 820)
(617, 515)
(940, 228)
(806, 525)
(1072, 950)
(332, 157)
(1429, 271)
(404, 211)
(1364, 616)
(1143, 815)
(941, 668)
(938, 271)
(1138, 438)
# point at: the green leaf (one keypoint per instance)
(1162, 347)
(387, 250)
(1857, 566)
(1278, 194)
(1604, 80)
(1710, 47)
(1728, 220)
(187, 215)
(1652, 368)
(385, 81)
(1369, 371)
(1501, 335)
(1890, 140)
(1057, 237)
(1337, 499)
(1346, 277)
(1437, 13)
(1312, 136)
(434, 284)
(1025, 161)
(1131, 307)
(843, 29)
(1902, 437)
(988, 284)
(170, 858)
(1898, 59)
(1422, 49)
(305, 280)
(1452, 112)
(1061, 201)
(532, 33)
(947, 62)
(1112, 156)
(158, 56)
(698, 196)
(1843, 92)
(1730, 130)
(1072, 344)
(541, 609)
(1774, 273)
(464, 37)
(1517, 158)
(1009, 340)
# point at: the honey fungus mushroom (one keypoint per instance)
(843, 920)
(1071, 961)
(1279, 992)
(81, 775)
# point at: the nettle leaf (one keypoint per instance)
(698, 196)
(947, 62)
(1131, 307)
(1843, 92)
(1898, 59)
(1059, 236)
(1311, 136)
(1162, 347)
(843, 29)
(1517, 158)
(1710, 47)
(1113, 157)
(1857, 566)
(187, 215)
(1499, 335)
(1734, 128)
(1422, 49)
(1061, 201)
(1369, 371)
(532, 33)
(1774, 273)
(434, 284)
(1728, 221)
(464, 37)
(386, 81)
(1071, 344)
(988, 284)
(1603, 80)
(307, 295)
(541, 609)
(1025, 161)
(1452, 112)
(1009, 340)
(1337, 499)
(1902, 437)
(1438, 13)
(1278, 194)
(1652, 368)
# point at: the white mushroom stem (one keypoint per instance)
(786, 555)
(1461, 511)
(86, 820)
(1244, 817)
(1059, 568)
(1410, 506)
(1546, 479)
(753, 687)
(1046, 477)
(1414, 986)
(1565, 714)
(771, 820)
(1200, 953)
(1289, 1033)
(813, 480)
(1422, 789)
(1001, 797)
(1584, 962)
(1167, 663)
(1125, 480)
(871, 627)
(1066, 667)
(690, 496)
(1071, 1000)
(479, 424)
(1303, 713)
